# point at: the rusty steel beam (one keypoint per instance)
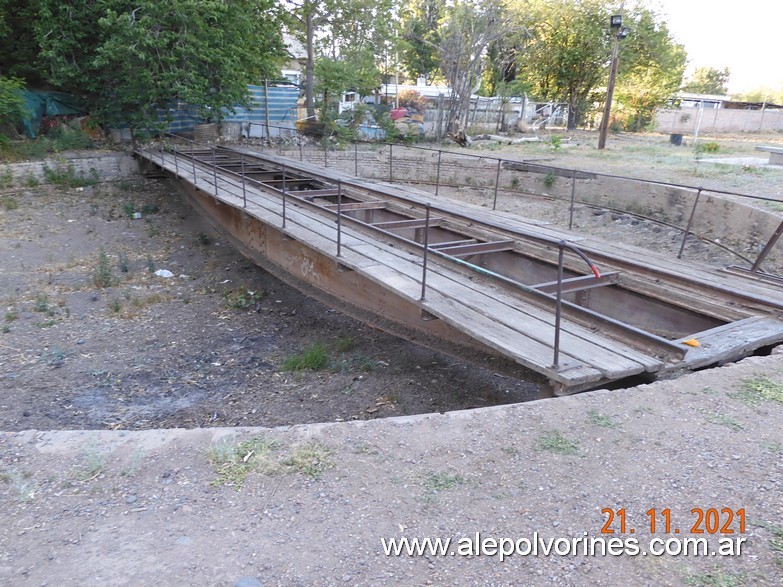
(359, 206)
(579, 283)
(478, 248)
(402, 224)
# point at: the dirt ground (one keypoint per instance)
(112, 363)
(94, 339)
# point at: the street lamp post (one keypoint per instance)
(619, 32)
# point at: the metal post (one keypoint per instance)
(326, 163)
(768, 247)
(355, 159)
(339, 216)
(244, 191)
(573, 197)
(690, 223)
(497, 185)
(301, 154)
(214, 169)
(437, 174)
(284, 198)
(391, 146)
(176, 163)
(558, 305)
(426, 249)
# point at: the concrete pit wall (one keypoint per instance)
(740, 226)
(98, 166)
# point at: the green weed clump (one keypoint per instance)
(102, 275)
(67, 176)
(313, 358)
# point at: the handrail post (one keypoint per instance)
(426, 239)
(355, 159)
(284, 198)
(301, 152)
(497, 186)
(176, 163)
(690, 224)
(558, 305)
(244, 191)
(214, 169)
(767, 248)
(339, 216)
(573, 197)
(437, 173)
(326, 162)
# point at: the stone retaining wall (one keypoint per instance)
(103, 166)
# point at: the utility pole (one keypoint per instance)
(619, 32)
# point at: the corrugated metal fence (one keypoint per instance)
(269, 109)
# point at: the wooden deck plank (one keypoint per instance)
(732, 340)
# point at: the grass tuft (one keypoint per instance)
(313, 358)
(555, 441)
(311, 459)
(234, 461)
(759, 389)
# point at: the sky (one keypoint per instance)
(746, 37)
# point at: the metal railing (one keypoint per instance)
(573, 174)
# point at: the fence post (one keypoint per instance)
(355, 159)
(437, 173)
(497, 185)
(558, 306)
(301, 154)
(339, 216)
(690, 224)
(244, 191)
(573, 197)
(176, 162)
(214, 169)
(426, 249)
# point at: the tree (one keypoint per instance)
(132, 59)
(466, 32)
(708, 80)
(12, 108)
(419, 21)
(355, 33)
(651, 68)
(566, 53)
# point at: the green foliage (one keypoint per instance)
(549, 179)
(555, 441)
(9, 202)
(313, 358)
(235, 461)
(650, 72)
(708, 80)
(66, 176)
(131, 59)
(760, 389)
(12, 108)
(565, 49)
(311, 459)
(709, 147)
(102, 275)
(419, 21)
(243, 298)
